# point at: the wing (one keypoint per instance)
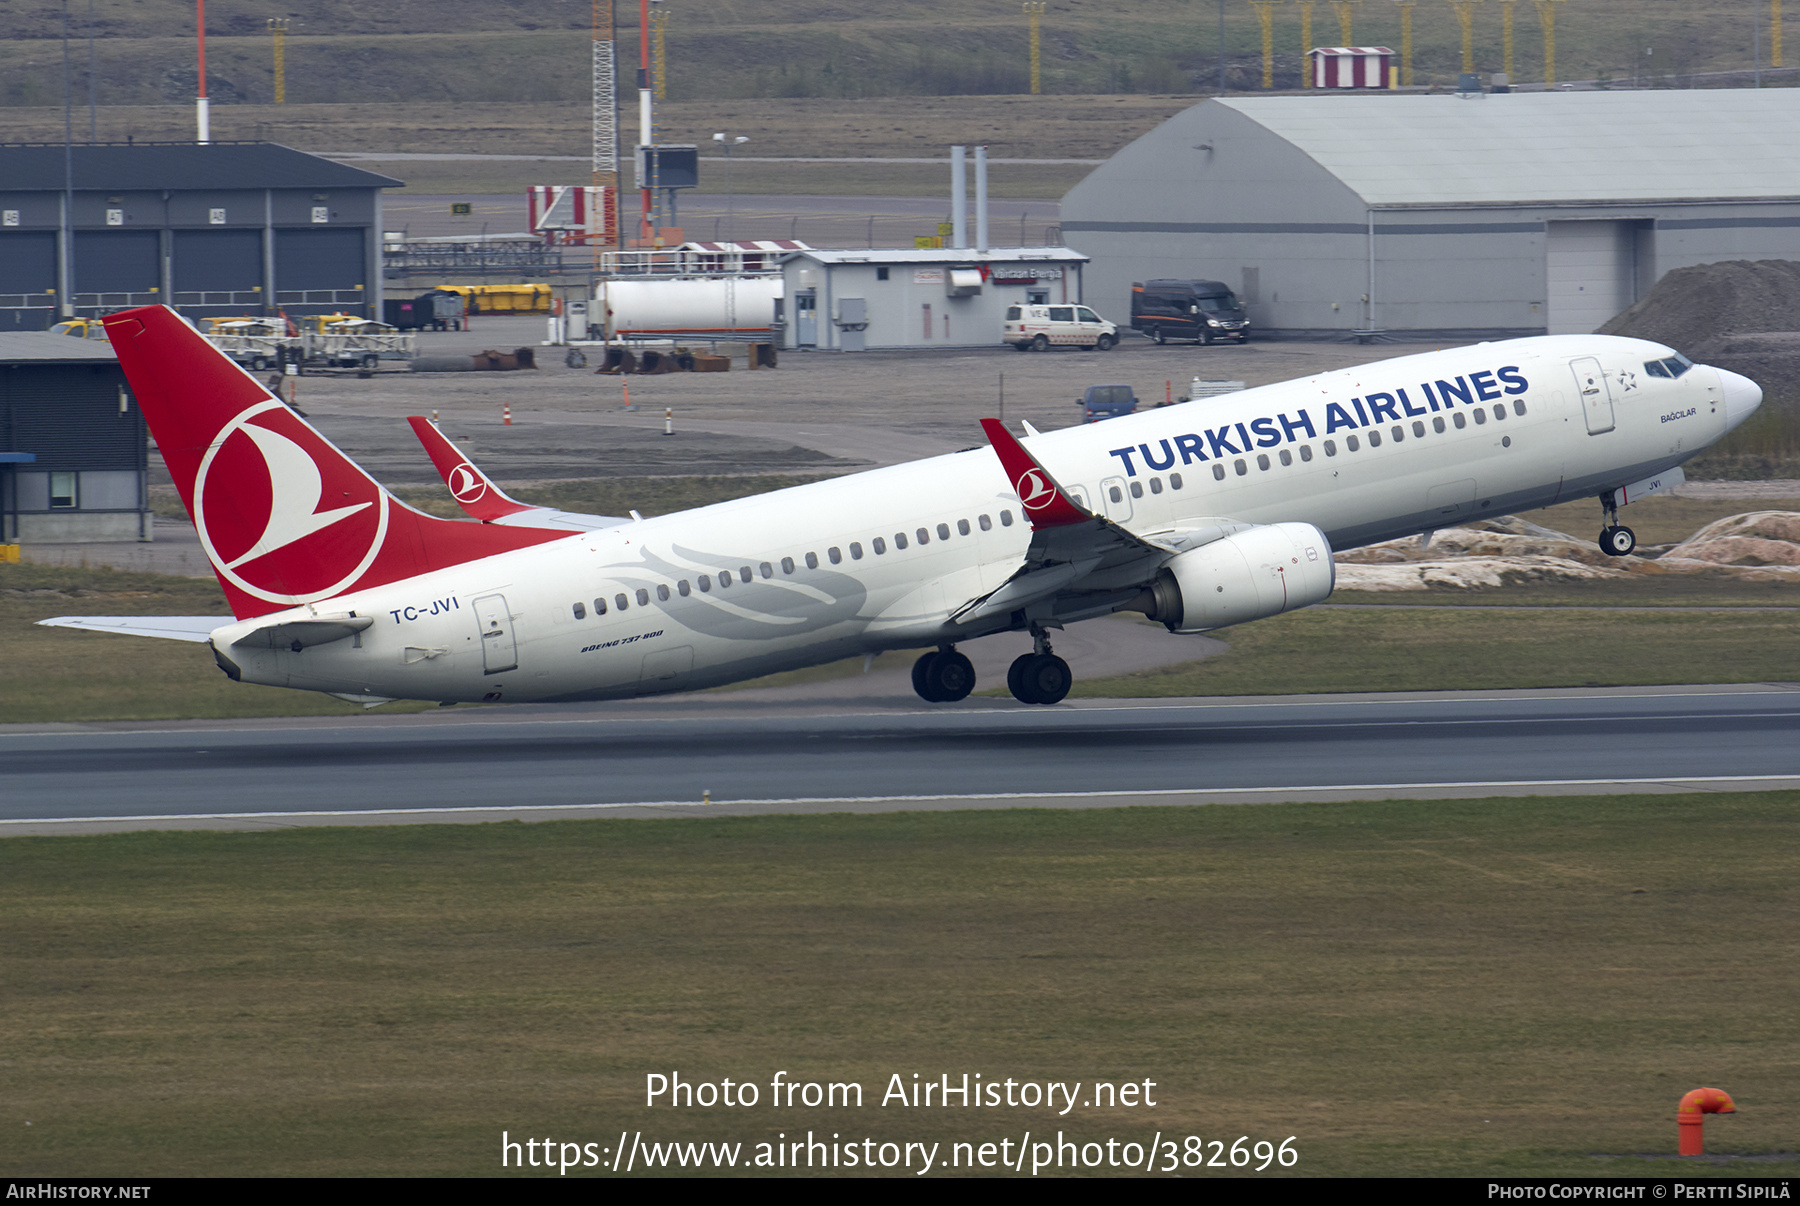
(174, 628)
(481, 499)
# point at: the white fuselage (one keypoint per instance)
(795, 578)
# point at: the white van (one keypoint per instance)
(1043, 327)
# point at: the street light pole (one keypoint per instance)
(730, 198)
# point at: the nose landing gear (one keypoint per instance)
(1616, 540)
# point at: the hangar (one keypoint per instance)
(74, 457)
(214, 229)
(1443, 217)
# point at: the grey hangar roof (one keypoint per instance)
(33, 167)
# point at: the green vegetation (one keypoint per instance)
(1461, 988)
(414, 54)
(1465, 648)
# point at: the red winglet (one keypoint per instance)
(472, 489)
(1046, 503)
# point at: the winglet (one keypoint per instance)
(1045, 502)
(469, 486)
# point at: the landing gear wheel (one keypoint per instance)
(1157, 336)
(1617, 542)
(1040, 343)
(951, 677)
(1105, 343)
(921, 675)
(1039, 678)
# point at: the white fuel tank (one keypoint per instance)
(713, 308)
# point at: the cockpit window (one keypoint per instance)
(1655, 368)
(1673, 367)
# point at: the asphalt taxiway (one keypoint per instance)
(724, 755)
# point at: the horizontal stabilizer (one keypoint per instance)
(174, 628)
(478, 496)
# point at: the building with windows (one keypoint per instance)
(215, 230)
(1443, 217)
(940, 297)
(74, 456)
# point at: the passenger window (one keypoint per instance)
(1137, 489)
(644, 596)
(1499, 411)
(662, 593)
(1330, 447)
(768, 571)
(1218, 472)
(962, 527)
(1174, 481)
(620, 602)
(706, 583)
(1262, 461)
(1399, 433)
(1480, 416)
(880, 545)
(787, 565)
(943, 531)
(812, 561)
(683, 589)
(1006, 519)
(1114, 494)
(1518, 406)
(1374, 438)
(1458, 419)
(600, 607)
(855, 551)
(924, 536)
(1287, 458)
(1350, 444)
(581, 611)
(899, 540)
(724, 579)
(1156, 485)
(1241, 468)
(987, 525)
(744, 573)
(1437, 424)
(1306, 452)
(836, 555)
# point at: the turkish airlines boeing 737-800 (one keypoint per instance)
(1199, 516)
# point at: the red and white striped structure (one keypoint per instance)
(569, 213)
(1350, 66)
(738, 255)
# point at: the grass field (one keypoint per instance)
(415, 55)
(1493, 987)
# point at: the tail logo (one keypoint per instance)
(282, 514)
(465, 484)
(1034, 492)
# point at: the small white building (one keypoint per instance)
(1352, 67)
(941, 297)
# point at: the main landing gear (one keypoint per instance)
(944, 676)
(1616, 540)
(1039, 677)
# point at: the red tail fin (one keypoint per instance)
(284, 516)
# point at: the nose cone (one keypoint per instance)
(1742, 397)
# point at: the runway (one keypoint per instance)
(665, 757)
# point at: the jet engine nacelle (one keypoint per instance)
(1257, 573)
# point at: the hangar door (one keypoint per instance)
(1592, 270)
(117, 268)
(218, 272)
(320, 270)
(27, 280)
